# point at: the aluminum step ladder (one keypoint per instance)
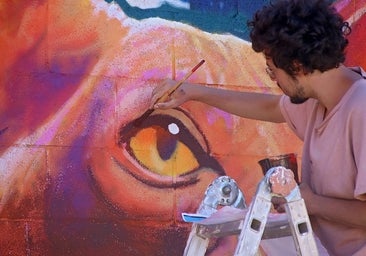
(253, 227)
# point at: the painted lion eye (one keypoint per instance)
(162, 152)
(167, 145)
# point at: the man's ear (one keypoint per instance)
(298, 68)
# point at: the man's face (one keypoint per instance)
(288, 84)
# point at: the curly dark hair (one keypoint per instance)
(306, 32)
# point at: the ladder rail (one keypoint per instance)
(223, 191)
(255, 222)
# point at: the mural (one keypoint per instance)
(75, 179)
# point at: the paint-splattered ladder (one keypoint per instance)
(253, 226)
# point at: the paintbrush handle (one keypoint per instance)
(176, 86)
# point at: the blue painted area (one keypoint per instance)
(222, 17)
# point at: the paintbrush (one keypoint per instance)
(139, 120)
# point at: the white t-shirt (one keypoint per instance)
(334, 159)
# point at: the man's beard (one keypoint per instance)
(298, 97)
(298, 100)
(295, 99)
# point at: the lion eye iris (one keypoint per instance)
(161, 152)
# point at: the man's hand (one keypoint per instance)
(306, 193)
(279, 203)
(177, 98)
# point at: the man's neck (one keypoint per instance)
(330, 86)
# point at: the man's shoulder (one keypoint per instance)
(355, 100)
(359, 70)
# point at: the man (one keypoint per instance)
(304, 44)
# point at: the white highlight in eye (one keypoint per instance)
(173, 128)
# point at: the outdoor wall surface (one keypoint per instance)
(75, 178)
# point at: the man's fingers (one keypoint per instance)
(161, 105)
(279, 203)
(160, 91)
(278, 200)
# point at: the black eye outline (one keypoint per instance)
(197, 144)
